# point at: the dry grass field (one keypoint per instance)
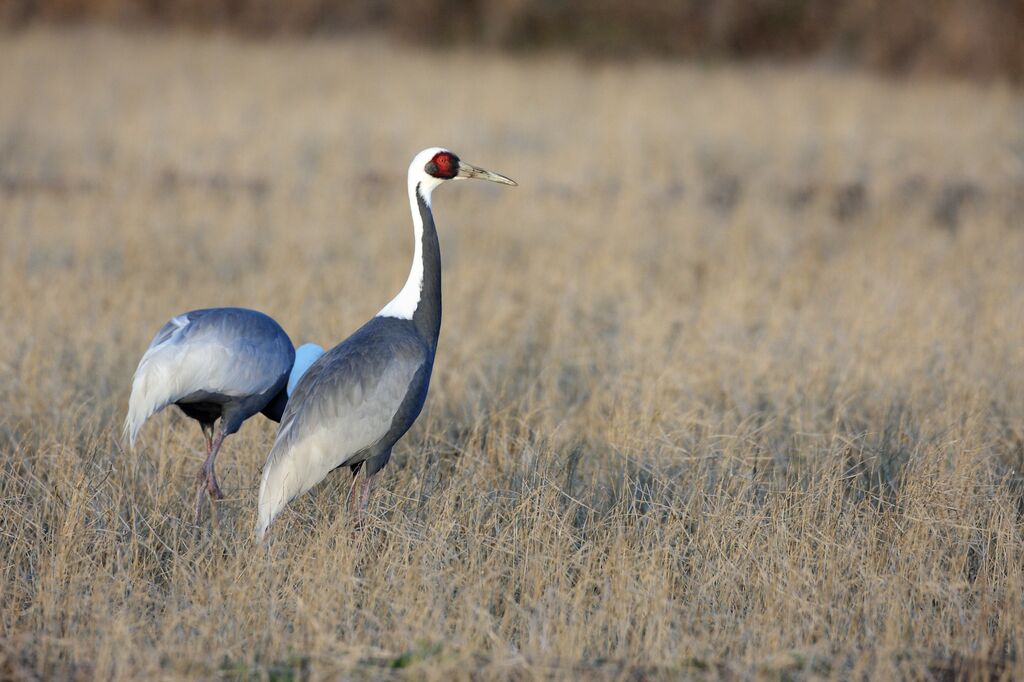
(732, 386)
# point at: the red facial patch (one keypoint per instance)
(443, 165)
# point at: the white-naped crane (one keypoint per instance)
(359, 398)
(216, 363)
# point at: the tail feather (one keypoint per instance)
(149, 396)
(271, 501)
(166, 373)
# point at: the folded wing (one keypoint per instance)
(343, 406)
(224, 351)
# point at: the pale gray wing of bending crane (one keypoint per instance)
(235, 357)
(215, 363)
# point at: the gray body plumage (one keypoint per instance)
(227, 363)
(382, 370)
(353, 404)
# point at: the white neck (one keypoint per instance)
(405, 303)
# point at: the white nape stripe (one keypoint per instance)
(404, 305)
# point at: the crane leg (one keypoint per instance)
(350, 501)
(364, 499)
(207, 428)
(206, 479)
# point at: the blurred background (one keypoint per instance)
(971, 38)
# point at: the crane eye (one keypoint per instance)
(444, 165)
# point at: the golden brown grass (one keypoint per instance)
(732, 385)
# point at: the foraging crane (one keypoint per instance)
(226, 363)
(358, 399)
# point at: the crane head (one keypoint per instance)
(436, 165)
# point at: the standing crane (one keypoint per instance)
(216, 363)
(359, 398)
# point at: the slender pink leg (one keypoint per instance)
(364, 500)
(350, 500)
(211, 478)
(206, 479)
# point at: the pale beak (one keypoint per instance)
(468, 171)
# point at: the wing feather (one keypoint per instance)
(343, 405)
(230, 352)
